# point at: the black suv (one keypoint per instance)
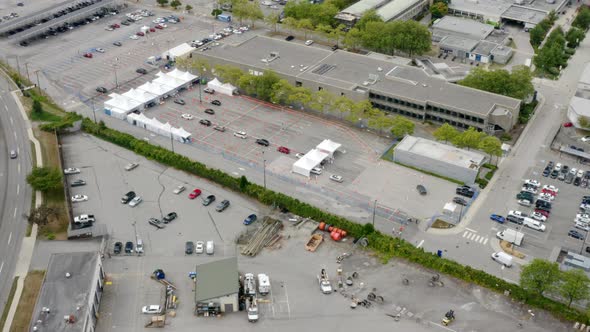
(205, 122)
(465, 191)
(216, 102)
(189, 247)
(262, 141)
(421, 189)
(514, 219)
(169, 217)
(460, 201)
(101, 89)
(142, 71)
(289, 38)
(129, 247)
(209, 111)
(118, 247)
(128, 197)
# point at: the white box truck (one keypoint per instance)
(511, 236)
(249, 284)
(263, 284)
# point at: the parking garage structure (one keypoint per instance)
(387, 81)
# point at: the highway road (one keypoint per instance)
(15, 193)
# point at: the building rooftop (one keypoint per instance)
(216, 279)
(463, 26)
(485, 47)
(435, 150)
(580, 105)
(65, 296)
(351, 71)
(585, 78)
(526, 14)
(528, 11)
(501, 50)
(362, 6)
(394, 8)
(457, 42)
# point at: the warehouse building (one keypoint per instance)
(389, 10)
(71, 293)
(386, 81)
(217, 287)
(438, 158)
(467, 39)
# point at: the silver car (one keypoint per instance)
(135, 201)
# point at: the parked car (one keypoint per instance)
(538, 216)
(240, 134)
(169, 217)
(156, 223)
(336, 178)
(250, 219)
(118, 44)
(128, 197)
(79, 198)
(135, 201)
(497, 218)
(216, 102)
(142, 71)
(283, 149)
(524, 202)
(262, 141)
(465, 191)
(194, 194)
(289, 38)
(131, 166)
(179, 189)
(129, 247)
(308, 42)
(534, 183)
(100, 50)
(209, 91)
(460, 201)
(208, 200)
(515, 219)
(209, 111)
(421, 189)
(71, 170)
(568, 124)
(222, 206)
(187, 116)
(219, 128)
(205, 122)
(101, 89)
(118, 247)
(189, 247)
(543, 212)
(88, 55)
(151, 309)
(200, 247)
(179, 101)
(78, 183)
(141, 34)
(575, 234)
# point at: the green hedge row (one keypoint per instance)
(384, 245)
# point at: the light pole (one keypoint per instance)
(38, 84)
(374, 210)
(264, 168)
(116, 80)
(172, 142)
(584, 242)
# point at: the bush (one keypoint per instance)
(554, 71)
(570, 51)
(481, 182)
(506, 137)
(385, 246)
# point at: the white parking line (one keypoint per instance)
(14, 215)
(9, 237)
(1, 267)
(18, 168)
(466, 233)
(14, 132)
(420, 244)
(471, 230)
(11, 121)
(17, 189)
(485, 241)
(477, 238)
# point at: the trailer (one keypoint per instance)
(324, 282)
(314, 242)
(263, 284)
(249, 284)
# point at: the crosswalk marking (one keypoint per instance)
(475, 238)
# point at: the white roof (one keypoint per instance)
(121, 102)
(395, 8)
(362, 6)
(180, 132)
(155, 88)
(169, 81)
(180, 50)
(140, 95)
(328, 146)
(581, 106)
(585, 78)
(309, 161)
(184, 76)
(442, 152)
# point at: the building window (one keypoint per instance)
(298, 84)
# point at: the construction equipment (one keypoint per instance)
(448, 318)
(157, 321)
(324, 282)
(340, 258)
(159, 276)
(266, 234)
(314, 242)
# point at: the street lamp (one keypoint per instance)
(264, 168)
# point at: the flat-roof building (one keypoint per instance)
(389, 10)
(438, 158)
(217, 287)
(384, 80)
(70, 296)
(579, 106)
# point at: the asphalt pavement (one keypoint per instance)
(15, 195)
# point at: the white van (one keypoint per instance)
(502, 258)
(534, 224)
(210, 248)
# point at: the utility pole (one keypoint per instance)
(264, 168)
(38, 83)
(17, 65)
(172, 142)
(27, 68)
(374, 211)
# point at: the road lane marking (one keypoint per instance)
(18, 168)
(11, 121)
(471, 230)
(485, 241)
(17, 189)
(1, 267)
(14, 215)
(465, 234)
(477, 237)
(14, 132)
(420, 244)
(9, 237)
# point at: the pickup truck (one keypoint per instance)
(84, 218)
(324, 282)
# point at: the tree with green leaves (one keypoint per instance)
(353, 39)
(264, 84)
(175, 4)
(469, 139)
(228, 73)
(306, 25)
(273, 20)
(45, 178)
(401, 126)
(216, 12)
(381, 121)
(539, 276)
(322, 100)
(37, 107)
(162, 3)
(574, 36)
(516, 84)
(574, 286)
(281, 92)
(368, 16)
(439, 9)
(188, 8)
(582, 20)
(491, 145)
(343, 105)
(291, 23)
(584, 122)
(446, 133)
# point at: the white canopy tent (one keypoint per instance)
(170, 81)
(226, 89)
(328, 147)
(180, 134)
(156, 89)
(183, 76)
(179, 51)
(155, 126)
(310, 160)
(119, 106)
(141, 96)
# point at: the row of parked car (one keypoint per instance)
(226, 32)
(582, 221)
(564, 173)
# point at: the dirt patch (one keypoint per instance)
(509, 249)
(24, 311)
(441, 224)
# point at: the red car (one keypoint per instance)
(159, 26)
(283, 149)
(568, 124)
(88, 55)
(152, 30)
(140, 34)
(194, 194)
(550, 192)
(543, 212)
(116, 26)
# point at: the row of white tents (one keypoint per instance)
(324, 150)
